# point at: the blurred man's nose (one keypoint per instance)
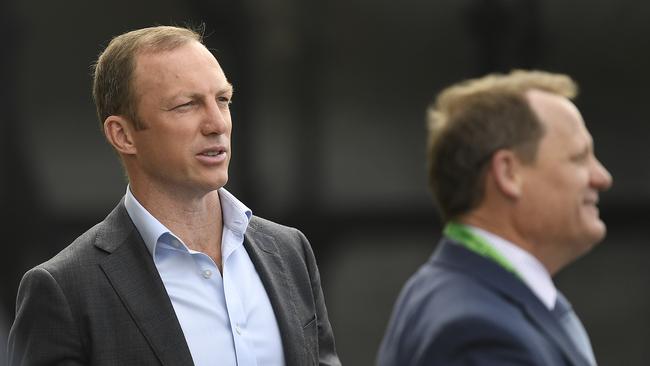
(600, 177)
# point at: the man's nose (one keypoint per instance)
(600, 177)
(216, 119)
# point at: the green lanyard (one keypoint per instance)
(464, 236)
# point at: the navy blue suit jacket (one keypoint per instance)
(460, 308)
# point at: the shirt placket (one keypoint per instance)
(237, 315)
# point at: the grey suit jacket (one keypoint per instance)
(101, 301)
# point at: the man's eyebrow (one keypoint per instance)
(228, 89)
(223, 90)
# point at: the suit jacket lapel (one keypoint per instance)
(133, 275)
(270, 266)
(513, 289)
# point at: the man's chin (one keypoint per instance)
(216, 183)
(596, 233)
(207, 184)
(600, 229)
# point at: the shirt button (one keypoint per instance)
(206, 273)
(238, 329)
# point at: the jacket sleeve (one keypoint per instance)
(44, 331)
(327, 355)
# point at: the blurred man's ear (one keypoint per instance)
(505, 168)
(119, 133)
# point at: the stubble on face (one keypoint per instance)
(183, 99)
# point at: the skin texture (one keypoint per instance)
(183, 101)
(562, 187)
(548, 207)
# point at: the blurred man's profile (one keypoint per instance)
(513, 172)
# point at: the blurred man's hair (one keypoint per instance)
(471, 120)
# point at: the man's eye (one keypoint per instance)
(580, 158)
(185, 105)
(224, 100)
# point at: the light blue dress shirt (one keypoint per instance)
(227, 318)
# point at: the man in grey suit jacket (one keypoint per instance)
(180, 272)
(513, 171)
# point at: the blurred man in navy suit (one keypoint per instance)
(513, 172)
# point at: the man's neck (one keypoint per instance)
(195, 218)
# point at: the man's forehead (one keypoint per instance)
(191, 73)
(175, 62)
(539, 96)
(174, 54)
(560, 117)
(549, 106)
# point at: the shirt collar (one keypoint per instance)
(235, 214)
(529, 268)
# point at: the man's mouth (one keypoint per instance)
(213, 153)
(591, 200)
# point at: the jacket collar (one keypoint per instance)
(272, 268)
(130, 270)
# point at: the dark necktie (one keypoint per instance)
(573, 327)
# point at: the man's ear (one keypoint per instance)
(506, 169)
(119, 133)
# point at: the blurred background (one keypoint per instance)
(329, 134)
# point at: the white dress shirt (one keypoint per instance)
(531, 270)
(227, 318)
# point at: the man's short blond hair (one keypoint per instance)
(471, 120)
(113, 88)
